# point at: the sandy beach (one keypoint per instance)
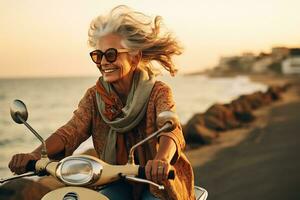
(259, 160)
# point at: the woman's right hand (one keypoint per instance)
(19, 161)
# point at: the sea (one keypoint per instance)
(51, 102)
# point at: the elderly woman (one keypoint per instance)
(121, 108)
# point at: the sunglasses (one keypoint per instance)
(110, 55)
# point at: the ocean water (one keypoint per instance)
(51, 102)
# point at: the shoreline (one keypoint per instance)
(252, 155)
(233, 137)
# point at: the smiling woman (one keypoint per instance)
(116, 65)
(137, 32)
(122, 108)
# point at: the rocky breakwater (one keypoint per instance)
(204, 128)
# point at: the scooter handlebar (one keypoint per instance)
(142, 173)
(30, 167)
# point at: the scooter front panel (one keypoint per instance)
(79, 193)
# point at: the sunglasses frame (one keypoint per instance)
(97, 51)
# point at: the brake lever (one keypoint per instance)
(140, 180)
(3, 180)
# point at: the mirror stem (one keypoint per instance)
(131, 152)
(44, 149)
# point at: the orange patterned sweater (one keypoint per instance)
(87, 121)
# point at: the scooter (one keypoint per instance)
(83, 174)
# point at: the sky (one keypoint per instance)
(42, 38)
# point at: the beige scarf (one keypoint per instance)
(124, 119)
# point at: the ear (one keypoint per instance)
(136, 58)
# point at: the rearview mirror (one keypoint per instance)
(18, 110)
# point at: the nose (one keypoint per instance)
(104, 61)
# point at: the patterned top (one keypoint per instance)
(87, 121)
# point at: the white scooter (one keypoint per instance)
(83, 175)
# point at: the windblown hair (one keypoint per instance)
(139, 32)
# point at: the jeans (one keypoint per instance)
(123, 190)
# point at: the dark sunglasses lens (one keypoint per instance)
(96, 57)
(111, 55)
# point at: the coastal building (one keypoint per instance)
(279, 60)
(246, 61)
(262, 64)
(237, 63)
(291, 65)
(228, 63)
(280, 53)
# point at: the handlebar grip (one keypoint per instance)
(142, 173)
(30, 167)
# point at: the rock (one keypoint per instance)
(242, 110)
(214, 123)
(200, 135)
(267, 98)
(274, 92)
(255, 100)
(23, 189)
(286, 86)
(203, 128)
(195, 131)
(224, 114)
(245, 117)
(241, 105)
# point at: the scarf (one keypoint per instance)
(122, 119)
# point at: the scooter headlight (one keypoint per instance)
(79, 170)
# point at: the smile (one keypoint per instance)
(109, 70)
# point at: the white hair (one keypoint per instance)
(139, 32)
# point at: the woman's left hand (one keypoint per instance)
(157, 170)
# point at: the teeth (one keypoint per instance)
(109, 70)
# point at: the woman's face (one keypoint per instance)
(122, 68)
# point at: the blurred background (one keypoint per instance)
(49, 38)
(231, 48)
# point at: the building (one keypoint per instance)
(280, 53)
(291, 65)
(262, 65)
